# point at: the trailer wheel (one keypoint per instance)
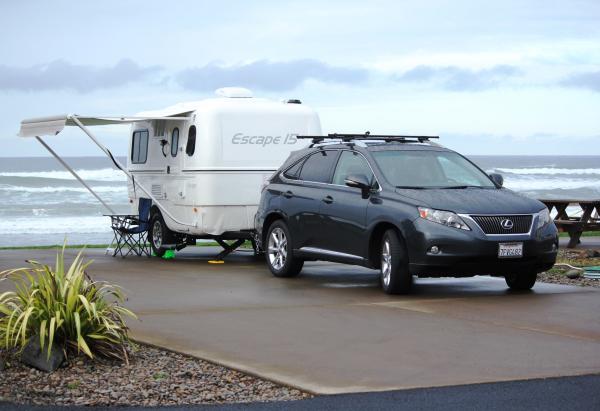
(158, 234)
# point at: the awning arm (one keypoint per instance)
(65, 165)
(124, 170)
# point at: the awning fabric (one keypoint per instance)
(50, 126)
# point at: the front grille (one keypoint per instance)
(492, 224)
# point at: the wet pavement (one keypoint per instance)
(332, 330)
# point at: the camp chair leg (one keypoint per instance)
(144, 245)
(228, 248)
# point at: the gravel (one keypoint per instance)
(559, 277)
(153, 377)
(576, 258)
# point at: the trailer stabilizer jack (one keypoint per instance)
(228, 248)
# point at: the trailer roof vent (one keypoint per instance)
(294, 101)
(233, 92)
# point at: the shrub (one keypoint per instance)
(65, 308)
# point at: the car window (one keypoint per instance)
(318, 166)
(429, 169)
(351, 163)
(294, 171)
(455, 173)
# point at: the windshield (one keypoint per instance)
(429, 169)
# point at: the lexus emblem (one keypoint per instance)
(506, 224)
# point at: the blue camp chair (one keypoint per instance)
(131, 231)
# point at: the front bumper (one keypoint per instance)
(467, 253)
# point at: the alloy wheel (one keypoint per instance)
(277, 248)
(386, 262)
(157, 234)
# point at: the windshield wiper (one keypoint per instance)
(412, 187)
(461, 187)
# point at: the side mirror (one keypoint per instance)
(497, 179)
(359, 181)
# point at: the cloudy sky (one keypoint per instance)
(507, 77)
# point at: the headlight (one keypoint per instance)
(447, 218)
(543, 218)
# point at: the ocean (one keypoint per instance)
(42, 204)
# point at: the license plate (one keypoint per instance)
(510, 250)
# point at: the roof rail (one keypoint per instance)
(368, 136)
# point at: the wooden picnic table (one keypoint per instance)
(575, 225)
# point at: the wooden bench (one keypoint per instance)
(575, 225)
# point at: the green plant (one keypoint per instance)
(65, 308)
(160, 376)
(73, 385)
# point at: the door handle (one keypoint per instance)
(288, 194)
(328, 200)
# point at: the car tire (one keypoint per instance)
(278, 251)
(521, 281)
(395, 275)
(159, 234)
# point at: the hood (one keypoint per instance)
(474, 200)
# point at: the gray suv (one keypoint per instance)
(403, 205)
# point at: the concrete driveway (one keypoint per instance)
(332, 330)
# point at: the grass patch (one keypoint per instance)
(247, 244)
(584, 234)
(51, 247)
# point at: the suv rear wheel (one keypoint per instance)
(521, 281)
(278, 253)
(395, 276)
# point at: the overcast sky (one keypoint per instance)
(504, 77)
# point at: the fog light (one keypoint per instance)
(434, 250)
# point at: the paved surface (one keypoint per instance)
(586, 242)
(567, 393)
(332, 330)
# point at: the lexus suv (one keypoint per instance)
(406, 206)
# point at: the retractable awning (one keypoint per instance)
(52, 125)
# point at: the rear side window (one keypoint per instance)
(139, 147)
(351, 163)
(174, 141)
(294, 171)
(318, 166)
(191, 141)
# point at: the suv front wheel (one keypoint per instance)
(521, 281)
(395, 276)
(278, 253)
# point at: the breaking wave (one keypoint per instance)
(103, 174)
(548, 171)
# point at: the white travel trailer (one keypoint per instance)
(201, 163)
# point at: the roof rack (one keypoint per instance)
(368, 136)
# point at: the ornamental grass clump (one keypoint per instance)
(63, 307)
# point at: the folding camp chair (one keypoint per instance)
(131, 231)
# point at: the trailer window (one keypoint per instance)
(139, 147)
(191, 141)
(174, 141)
(159, 128)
